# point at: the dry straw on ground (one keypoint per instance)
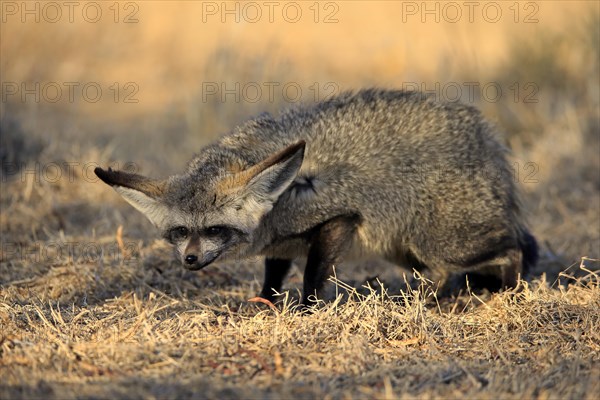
(537, 342)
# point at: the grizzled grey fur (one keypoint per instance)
(381, 173)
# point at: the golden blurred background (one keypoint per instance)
(170, 48)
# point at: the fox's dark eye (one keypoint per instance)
(178, 233)
(215, 230)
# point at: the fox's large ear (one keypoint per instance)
(264, 182)
(142, 193)
(272, 176)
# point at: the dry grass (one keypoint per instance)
(65, 336)
(93, 306)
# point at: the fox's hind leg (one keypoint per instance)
(328, 245)
(499, 273)
(275, 272)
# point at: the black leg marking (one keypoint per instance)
(499, 273)
(512, 269)
(275, 272)
(328, 245)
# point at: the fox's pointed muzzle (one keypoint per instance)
(194, 263)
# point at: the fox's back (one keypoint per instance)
(377, 133)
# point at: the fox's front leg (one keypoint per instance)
(328, 245)
(275, 272)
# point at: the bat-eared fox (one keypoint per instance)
(381, 173)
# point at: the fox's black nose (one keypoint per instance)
(190, 259)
